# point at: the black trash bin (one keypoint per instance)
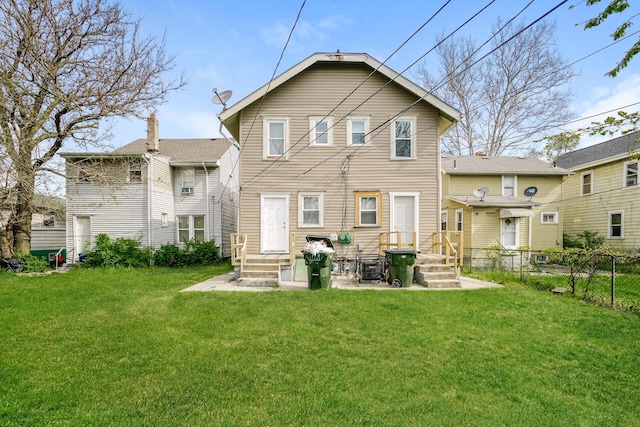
(318, 258)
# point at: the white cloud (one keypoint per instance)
(603, 101)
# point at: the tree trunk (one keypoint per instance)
(6, 240)
(24, 211)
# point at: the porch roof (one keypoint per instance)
(494, 201)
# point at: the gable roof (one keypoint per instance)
(614, 149)
(499, 165)
(179, 151)
(229, 115)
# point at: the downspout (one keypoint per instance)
(147, 157)
(206, 200)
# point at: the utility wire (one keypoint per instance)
(376, 92)
(303, 137)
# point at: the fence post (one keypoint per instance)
(613, 281)
(521, 281)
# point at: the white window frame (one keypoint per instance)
(266, 121)
(301, 210)
(459, 227)
(515, 185)
(164, 219)
(412, 138)
(582, 176)
(625, 183)
(192, 228)
(366, 139)
(610, 224)
(444, 219)
(554, 217)
(314, 121)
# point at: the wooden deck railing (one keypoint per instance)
(387, 242)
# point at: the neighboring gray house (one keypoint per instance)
(154, 190)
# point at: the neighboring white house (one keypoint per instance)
(153, 190)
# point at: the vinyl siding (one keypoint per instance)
(227, 201)
(485, 222)
(320, 169)
(591, 212)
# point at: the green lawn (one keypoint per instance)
(110, 347)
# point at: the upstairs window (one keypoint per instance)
(320, 131)
(509, 185)
(631, 174)
(403, 144)
(276, 137)
(357, 130)
(586, 183)
(135, 170)
(188, 180)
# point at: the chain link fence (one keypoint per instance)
(599, 277)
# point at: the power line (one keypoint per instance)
(303, 137)
(375, 93)
(387, 122)
(273, 75)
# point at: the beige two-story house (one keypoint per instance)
(603, 194)
(509, 202)
(339, 145)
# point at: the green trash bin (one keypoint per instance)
(319, 262)
(400, 262)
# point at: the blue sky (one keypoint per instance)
(235, 45)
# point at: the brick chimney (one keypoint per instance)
(152, 134)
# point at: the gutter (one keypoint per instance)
(147, 157)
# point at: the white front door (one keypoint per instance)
(274, 223)
(509, 233)
(82, 234)
(404, 217)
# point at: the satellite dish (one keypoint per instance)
(530, 191)
(481, 192)
(222, 97)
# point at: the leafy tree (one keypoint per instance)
(506, 98)
(613, 7)
(66, 67)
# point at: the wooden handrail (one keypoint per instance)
(443, 238)
(386, 243)
(238, 249)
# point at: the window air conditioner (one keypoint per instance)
(187, 190)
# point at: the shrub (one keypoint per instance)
(34, 264)
(119, 252)
(168, 255)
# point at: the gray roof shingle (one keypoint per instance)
(609, 149)
(181, 150)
